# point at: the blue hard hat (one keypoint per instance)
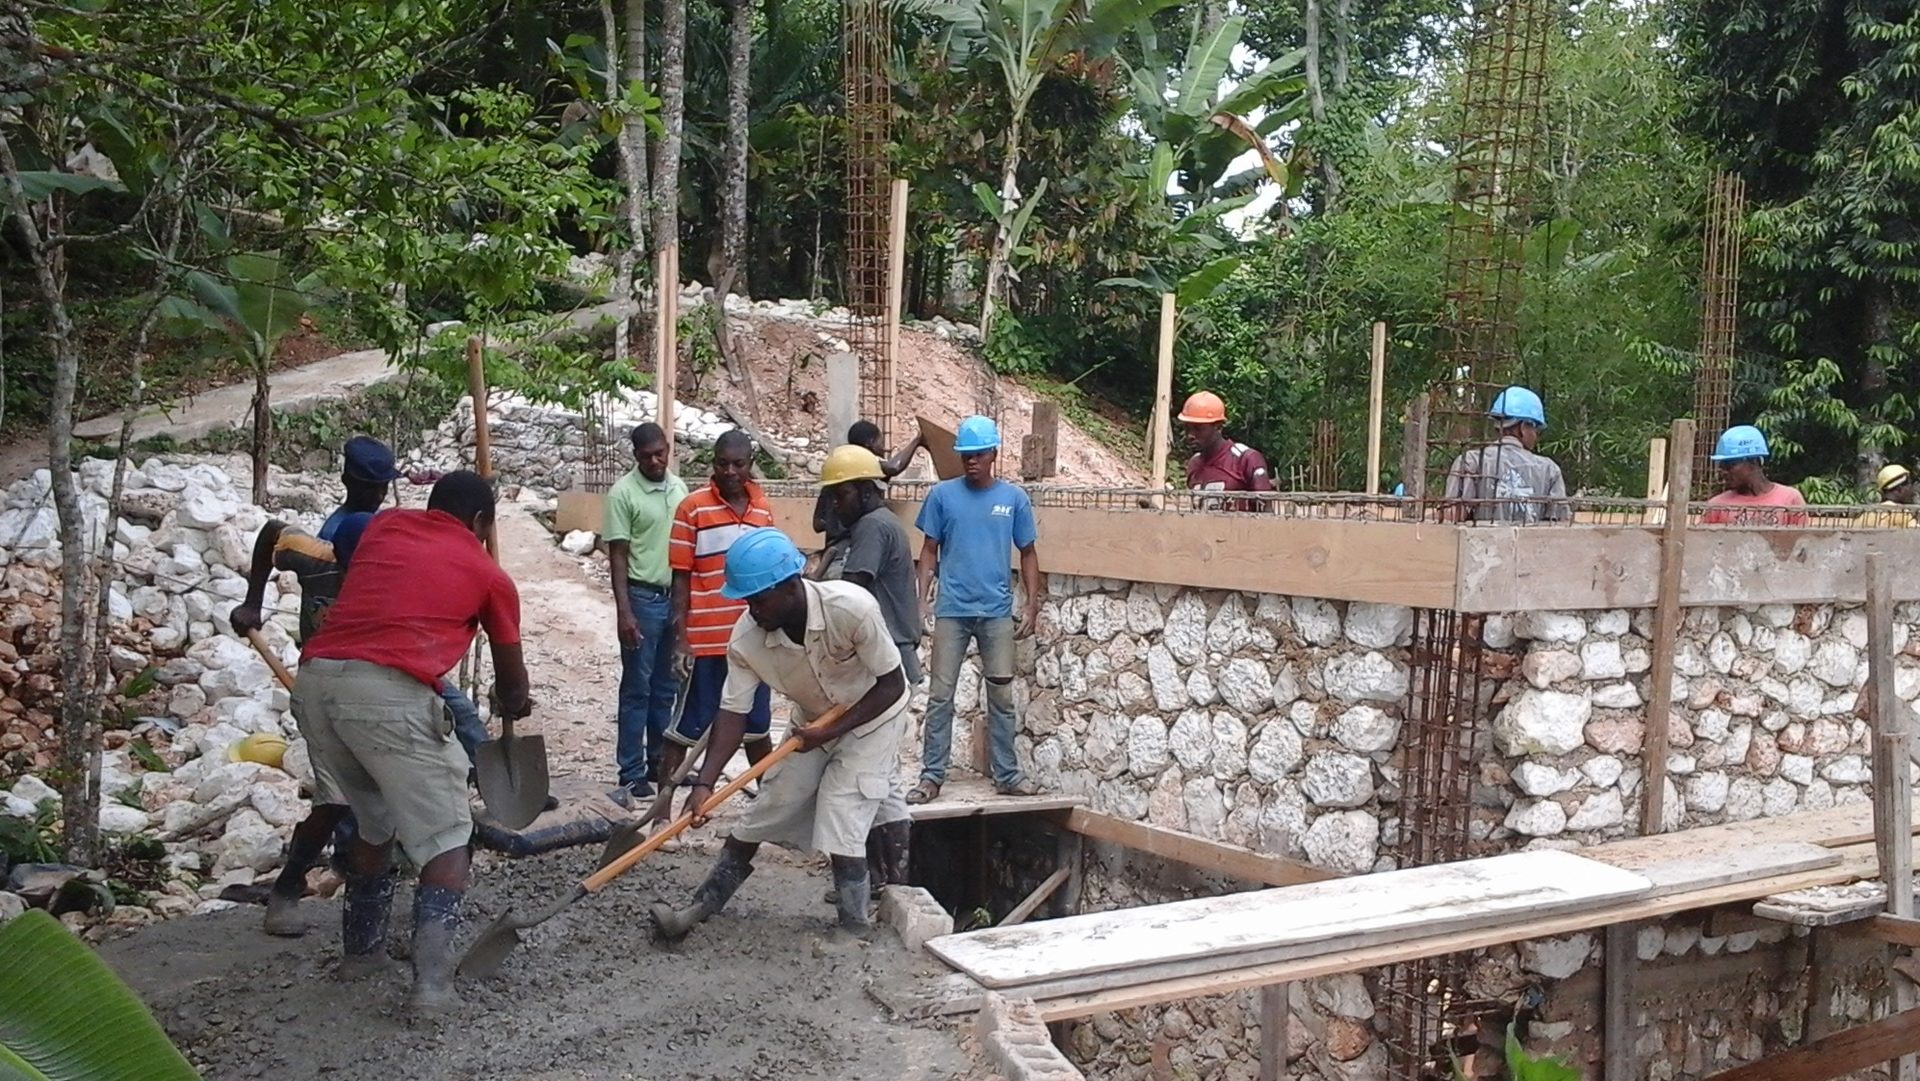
(1739, 442)
(1518, 403)
(976, 434)
(759, 560)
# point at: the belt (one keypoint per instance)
(649, 586)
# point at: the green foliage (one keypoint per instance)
(31, 840)
(64, 1015)
(1014, 348)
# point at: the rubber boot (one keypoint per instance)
(850, 880)
(896, 845)
(729, 871)
(363, 925)
(436, 919)
(283, 901)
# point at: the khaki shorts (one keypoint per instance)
(826, 800)
(382, 740)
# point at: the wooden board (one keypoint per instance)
(1182, 847)
(1836, 1055)
(1824, 906)
(969, 796)
(1338, 914)
(939, 443)
(1699, 868)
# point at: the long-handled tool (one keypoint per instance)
(631, 832)
(484, 957)
(260, 646)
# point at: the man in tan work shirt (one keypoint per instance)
(822, 644)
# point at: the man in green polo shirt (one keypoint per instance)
(639, 521)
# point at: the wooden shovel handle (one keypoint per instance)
(266, 654)
(680, 825)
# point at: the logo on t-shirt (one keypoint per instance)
(1003, 510)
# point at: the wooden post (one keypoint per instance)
(1376, 401)
(1275, 1004)
(1163, 396)
(1040, 452)
(1892, 777)
(1666, 627)
(1617, 1030)
(1657, 467)
(666, 361)
(843, 396)
(1413, 456)
(1070, 851)
(896, 298)
(482, 441)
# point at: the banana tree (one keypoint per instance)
(1026, 40)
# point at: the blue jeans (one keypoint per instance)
(467, 726)
(648, 685)
(951, 635)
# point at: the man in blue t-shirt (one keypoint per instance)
(972, 524)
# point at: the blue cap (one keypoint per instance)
(368, 459)
(759, 560)
(1738, 443)
(975, 435)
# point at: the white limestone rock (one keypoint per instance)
(1602, 770)
(1344, 995)
(1542, 722)
(1185, 633)
(1365, 677)
(1601, 660)
(1276, 751)
(1148, 752)
(1206, 807)
(1191, 740)
(248, 843)
(1797, 768)
(118, 818)
(1286, 687)
(1379, 626)
(1746, 799)
(1707, 792)
(1545, 667)
(1229, 746)
(1498, 631)
(33, 790)
(1338, 780)
(1610, 621)
(1556, 958)
(1847, 769)
(579, 542)
(1834, 664)
(1791, 649)
(1537, 818)
(1540, 779)
(203, 509)
(1366, 730)
(1345, 842)
(1143, 611)
(1602, 810)
(1200, 688)
(1617, 696)
(1283, 825)
(1246, 685)
(1316, 620)
(1551, 626)
(1230, 630)
(1778, 797)
(1106, 617)
(1169, 689)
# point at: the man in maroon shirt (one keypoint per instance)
(365, 699)
(1221, 465)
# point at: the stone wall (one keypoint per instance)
(1274, 723)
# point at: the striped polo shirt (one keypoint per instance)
(704, 527)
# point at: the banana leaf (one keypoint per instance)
(64, 1015)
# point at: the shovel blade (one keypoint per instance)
(512, 776)
(625, 836)
(491, 949)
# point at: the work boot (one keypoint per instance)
(894, 868)
(729, 871)
(436, 919)
(850, 884)
(363, 925)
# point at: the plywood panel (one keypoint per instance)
(1339, 914)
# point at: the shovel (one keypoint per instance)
(484, 957)
(629, 833)
(512, 775)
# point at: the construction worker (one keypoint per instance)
(1508, 480)
(1747, 497)
(879, 560)
(705, 525)
(638, 526)
(1220, 464)
(866, 435)
(1897, 495)
(822, 644)
(972, 524)
(422, 582)
(319, 561)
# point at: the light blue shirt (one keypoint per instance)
(977, 531)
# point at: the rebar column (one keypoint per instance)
(867, 48)
(1719, 299)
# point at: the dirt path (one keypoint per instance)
(588, 998)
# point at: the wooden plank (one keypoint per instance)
(1276, 1007)
(1697, 867)
(1237, 928)
(1413, 448)
(1040, 451)
(1182, 847)
(1657, 468)
(896, 299)
(1376, 404)
(1070, 851)
(939, 443)
(1666, 626)
(1617, 1028)
(1836, 1055)
(1826, 905)
(1035, 899)
(666, 336)
(1161, 433)
(1821, 973)
(1892, 784)
(1897, 930)
(1088, 1001)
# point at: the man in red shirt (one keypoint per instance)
(1222, 465)
(365, 699)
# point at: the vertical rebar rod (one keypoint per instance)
(867, 47)
(1719, 317)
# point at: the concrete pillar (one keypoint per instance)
(843, 396)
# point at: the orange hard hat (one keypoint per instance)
(1203, 407)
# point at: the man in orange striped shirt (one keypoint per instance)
(704, 527)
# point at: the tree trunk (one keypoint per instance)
(633, 167)
(623, 167)
(1317, 104)
(81, 817)
(733, 243)
(1876, 334)
(1003, 229)
(673, 107)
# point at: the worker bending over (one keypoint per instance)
(1507, 480)
(1747, 497)
(1220, 464)
(822, 644)
(421, 583)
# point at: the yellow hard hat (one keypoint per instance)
(266, 748)
(1893, 476)
(850, 462)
